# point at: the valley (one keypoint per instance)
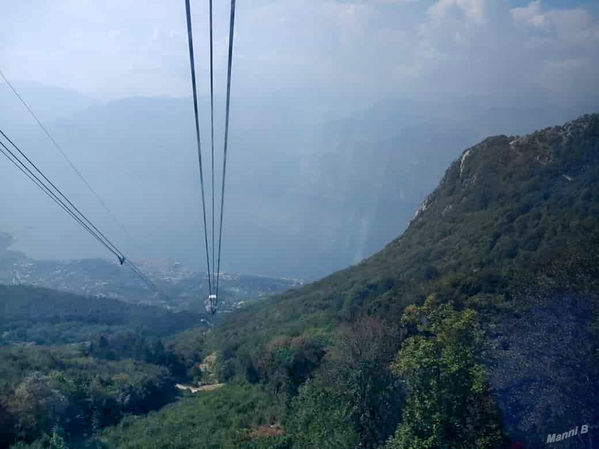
(186, 289)
(475, 328)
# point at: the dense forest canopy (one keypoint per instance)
(70, 365)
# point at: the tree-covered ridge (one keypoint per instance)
(44, 389)
(73, 391)
(507, 204)
(512, 227)
(70, 365)
(43, 316)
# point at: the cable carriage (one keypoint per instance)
(210, 304)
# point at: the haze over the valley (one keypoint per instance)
(344, 116)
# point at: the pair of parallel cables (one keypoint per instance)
(18, 158)
(22, 162)
(214, 274)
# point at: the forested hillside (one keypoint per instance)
(507, 204)
(70, 365)
(45, 316)
(476, 328)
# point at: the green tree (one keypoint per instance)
(448, 404)
(321, 418)
(354, 399)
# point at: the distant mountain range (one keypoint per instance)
(307, 193)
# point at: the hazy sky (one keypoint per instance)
(412, 83)
(361, 49)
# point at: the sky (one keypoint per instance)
(360, 50)
(345, 114)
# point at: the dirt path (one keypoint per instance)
(194, 389)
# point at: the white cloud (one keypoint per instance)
(574, 25)
(382, 2)
(378, 48)
(473, 10)
(571, 30)
(566, 25)
(530, 15)
(563, 42)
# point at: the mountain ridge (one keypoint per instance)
(477, 327)
(383, 277)
(512, 231)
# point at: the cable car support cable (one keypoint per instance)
(52, 191)
(197, 130)
(60, 193)
(12, 157)
(66, 157)
(228, 102)
(212, 132)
